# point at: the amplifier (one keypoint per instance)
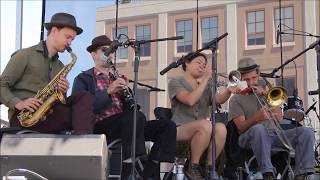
(55, 156)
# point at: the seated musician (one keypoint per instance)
(114, 119)
(190, 97)
(31, 69)
(257, 133)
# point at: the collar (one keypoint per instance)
(42, 47)
(97, 72)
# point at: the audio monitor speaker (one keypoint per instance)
(55, 156)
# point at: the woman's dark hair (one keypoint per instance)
(192, 58)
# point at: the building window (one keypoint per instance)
(144, 33)
(184, 28)
(288, 83)
(286, 23)
(122, 52)
(209, 29)
(255, 28)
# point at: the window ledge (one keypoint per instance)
(254, 47)
(145, 58)
(122, 61)
(284, 44)
(177, 55)
(208, 52)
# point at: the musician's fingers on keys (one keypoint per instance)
(63, 84)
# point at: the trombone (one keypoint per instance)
(275, 97)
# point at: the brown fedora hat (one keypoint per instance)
(63, 20)
(99, 41)
(247, 65)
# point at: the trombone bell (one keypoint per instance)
(276, 96)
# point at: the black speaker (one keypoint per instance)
(55, 156)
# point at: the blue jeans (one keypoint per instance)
(261, 140)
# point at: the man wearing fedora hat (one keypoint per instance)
(31, 69)
(113, 119)
(257, 132)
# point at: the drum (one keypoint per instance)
(293, 109)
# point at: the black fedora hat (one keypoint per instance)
(98, 41)
(63, 20)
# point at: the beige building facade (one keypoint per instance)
(252, 27)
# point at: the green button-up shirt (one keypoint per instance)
(28, 71)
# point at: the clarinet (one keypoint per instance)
(125, 94)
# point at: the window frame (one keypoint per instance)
(183, 40)
(284, 42)
(210, 28)
(144, 57)
(121, 49)
(255, 22)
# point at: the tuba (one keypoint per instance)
(49, 95)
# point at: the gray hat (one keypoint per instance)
(63, 20)
(247, 65)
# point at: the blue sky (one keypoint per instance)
(83, 10)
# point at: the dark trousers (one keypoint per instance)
(119, 126)
(163, 133)
(76, 115)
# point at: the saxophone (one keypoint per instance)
(48, 95)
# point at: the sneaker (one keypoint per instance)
(268, 176)
(211, 175)
(126, 170)
(193, 172)
(304, 177)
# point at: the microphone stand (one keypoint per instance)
(315, 45)
(213, 46)
(311, 46)
(191, 55)
(308, 34)
(213, 49)
(318, 69)
(151, 88)
(136, 45)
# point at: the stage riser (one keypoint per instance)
(55, 156)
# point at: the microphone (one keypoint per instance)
(315, 92)
(156, 89)
(269, 75)
(311, 46)
(278, 34)
(113, 47)
(311, 107)
(177, 63)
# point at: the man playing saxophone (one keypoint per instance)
(31, 69)
(257, 132)
(115, 119)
